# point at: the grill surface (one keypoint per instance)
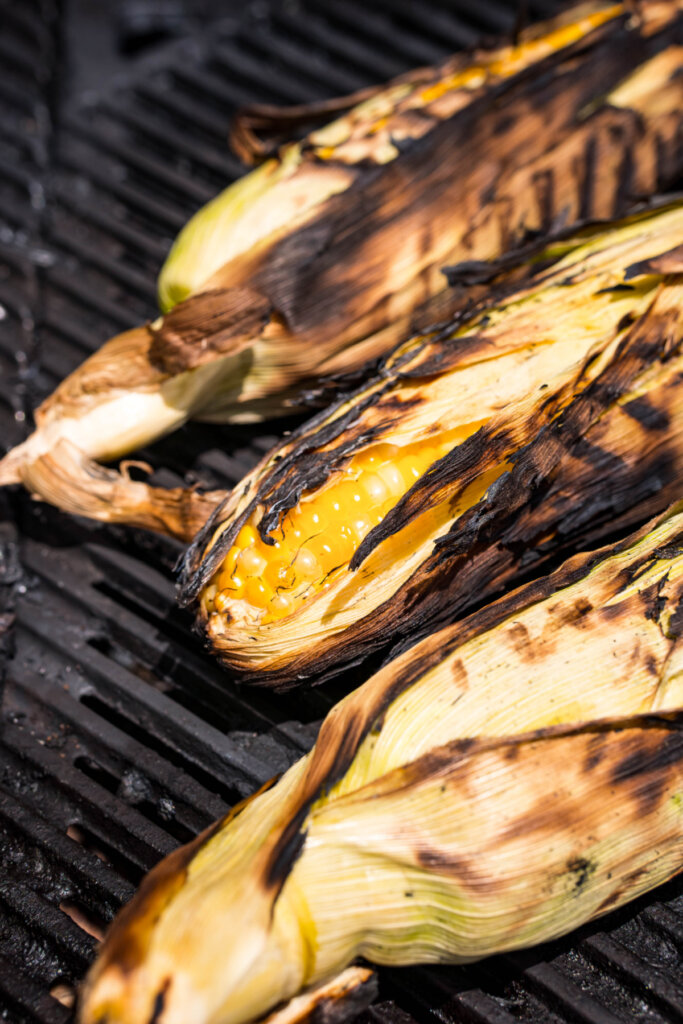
(120, 737)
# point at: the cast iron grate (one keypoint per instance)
(120, 738)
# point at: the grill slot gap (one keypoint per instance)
(105, 852)
(97, 773)
(173, 626)
(64, 991)
(199, 695)
(86, 919)
(146, 739)
(147, 808)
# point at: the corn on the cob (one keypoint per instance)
(322, 258)
(328, 548)
(506, 780)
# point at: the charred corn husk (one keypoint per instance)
(324, 257)
(402, 502)
(503, 782)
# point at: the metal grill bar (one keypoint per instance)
(120, 737)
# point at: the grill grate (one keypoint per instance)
(120, 738)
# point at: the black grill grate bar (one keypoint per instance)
(440, 26)
(24, 22)
(17, 175)
(209, 142)
(92, 875)
(217, 754)
(426, 994)
(650, 982)
(27, 999)
(214, 90)
(99, 809)
(85, 295)
(475, 1007)
(76, 335)
(204, 688)
(386, 1012)
(546, 8)
(558, 990)
(295, 73)
(72, 944)
(152, 168)
(18, 259)
(18, 57)
(16, 212)
(113, 227)
(129, 859)
(170, 217)
(664, 921)
(141, 282)
(6, 401)
(413, 48)
(17, 312)
(176, 134)
(16, 96)
(117, 752)
(492, 16)
(294, 76)
(347, 48)
(133, 577)
(29, 146)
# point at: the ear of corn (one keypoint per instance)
(403, 502)
(503, 782)
(330, 159)
(322, 258)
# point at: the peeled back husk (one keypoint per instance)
(503, 782)
(476, 452)
(327, 255)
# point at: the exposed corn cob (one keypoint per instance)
(506, 780)
(322, 258)
(327, 548)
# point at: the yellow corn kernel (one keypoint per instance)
(306, 565)
(347, 499)
(230, 560)
(225, 581)
(393, 480)
(224, 599)
(280, 574)
(280, 606)
(375, 488)
(321, 551)
(318, 538)
(360, 527)
(246, 537)
(310, 520)
(257, 592)
(252, 562)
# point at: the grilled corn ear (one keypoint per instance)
(503, 782)
(358, 527)
(322, 258)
